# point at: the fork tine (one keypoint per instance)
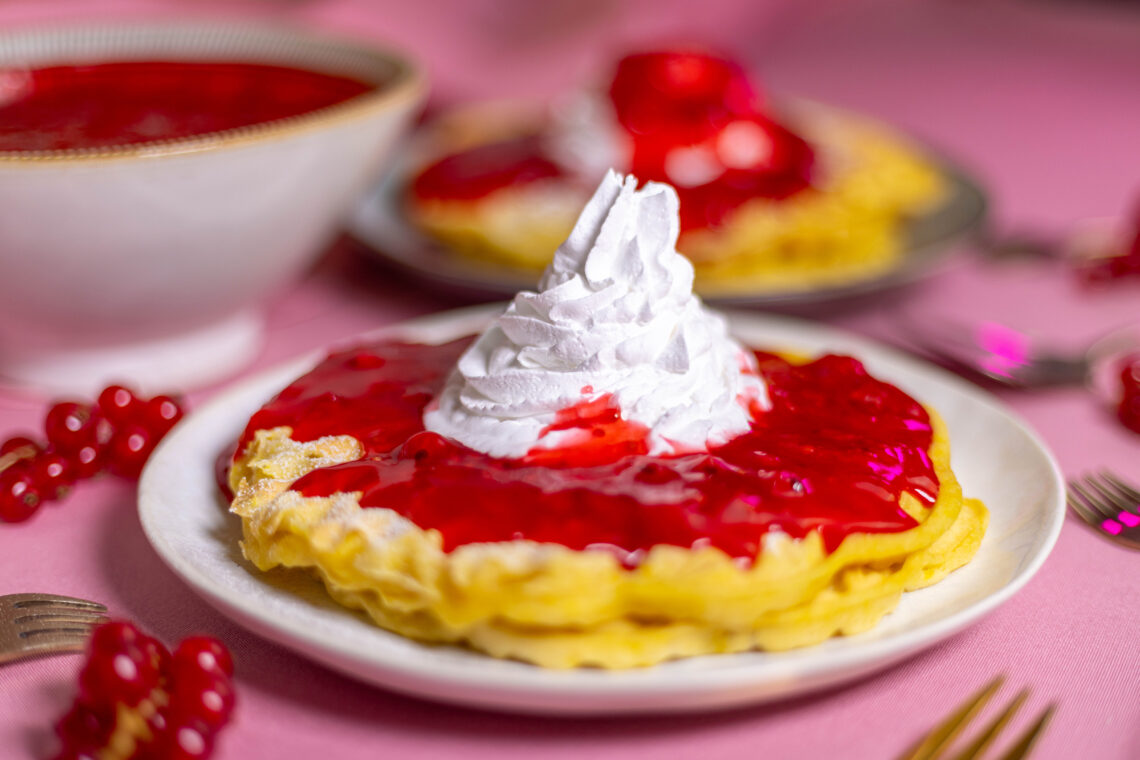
(1095, 505)
(66, 639)
(1109, 496)
(1021, 748)
(1129, 495)
(1078, 504)
(23, 601)
(46, 619)
(63, 629)
(1113, 528)
(940, 737)
(994, 728)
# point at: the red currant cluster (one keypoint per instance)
(137, 700)
(116, 434)
(1129, 409)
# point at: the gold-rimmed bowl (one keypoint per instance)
(151, 261)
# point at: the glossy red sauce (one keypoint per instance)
(674, 110)
(109, 104)
(482, 170)
(833, 455)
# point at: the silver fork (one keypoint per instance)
(38, 624)
(1109, 505)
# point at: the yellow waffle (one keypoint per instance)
(848, 228)
(559, 608)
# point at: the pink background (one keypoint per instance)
(1040, 99)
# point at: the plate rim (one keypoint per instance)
(521, 688)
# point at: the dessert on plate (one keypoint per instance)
(785, 199)
(604, 477)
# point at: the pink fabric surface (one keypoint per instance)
(1038, 98)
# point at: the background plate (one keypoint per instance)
(996, 457)
(380, 226)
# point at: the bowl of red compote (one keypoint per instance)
(159, 182)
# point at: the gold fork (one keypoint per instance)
(938, 741)
(38, 624)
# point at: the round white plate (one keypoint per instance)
(997, 457)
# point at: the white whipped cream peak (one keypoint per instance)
(614, 314)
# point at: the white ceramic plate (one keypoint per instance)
(995, 455)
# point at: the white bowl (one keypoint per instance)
(150, 262)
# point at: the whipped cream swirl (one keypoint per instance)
(614, 314)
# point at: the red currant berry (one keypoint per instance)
(1128, 411)
(19, 497)
(425, 447)
(85, 729)
(123, 676)
(80, 754)
(88, 461)
(207, 654)
(201, 694)
(128, 450)
(119, 405)
(1130, 375)
(22, 446)
(54, 474)
(70, 426)
(112, 638)
(161, 414)
(182, 740)
(198, 686)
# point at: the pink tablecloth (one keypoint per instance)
(1039, 98)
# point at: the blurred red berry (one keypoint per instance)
(129, 449)
(161, 414)
(207, 653)
(22, 445)
(19, 496)
(204, 696)
(190, 740)
(53, 473)
(85, 729)
(1128, 410)
(120, 405)
(88, 461)
(116, 678)
(113, 637)
(71, 425)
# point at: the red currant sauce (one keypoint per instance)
(834, 454)
(130, 102)
(666, 104)
(480, 171)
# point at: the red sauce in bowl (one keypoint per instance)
(127, 103)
